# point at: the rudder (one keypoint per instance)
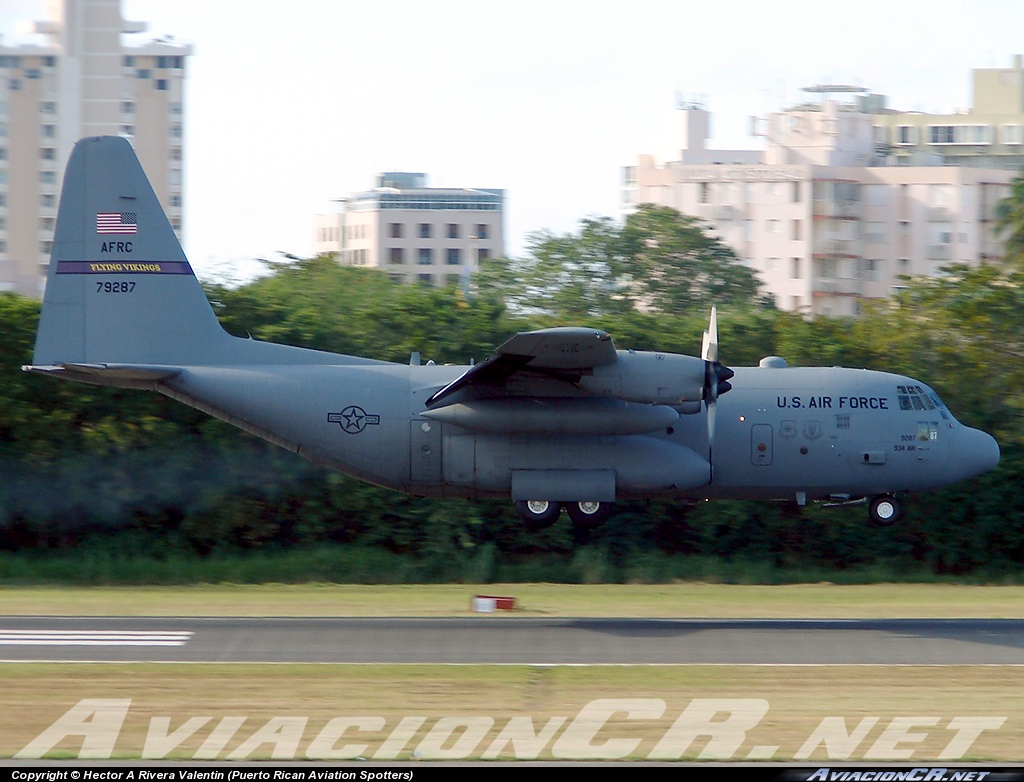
(119, 288)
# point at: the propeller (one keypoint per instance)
(716, 376)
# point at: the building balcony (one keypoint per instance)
(849, 210)
(832, 247)
(836, 287)
(716, 212)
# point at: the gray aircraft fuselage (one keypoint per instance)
(781, 431)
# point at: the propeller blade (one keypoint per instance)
(716, 378)
(709, 345)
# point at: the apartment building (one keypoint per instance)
(88, 75)
(988, 134)
(413, 232)
(826, 216)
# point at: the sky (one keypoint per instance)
(291, 105)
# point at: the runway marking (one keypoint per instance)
(93, 638)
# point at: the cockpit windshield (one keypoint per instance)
(915, 397)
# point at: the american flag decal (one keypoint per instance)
(116, 223)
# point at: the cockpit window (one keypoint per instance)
(915, 398)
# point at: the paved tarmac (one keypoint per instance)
(514, 640)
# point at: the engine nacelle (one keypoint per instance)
(655, 378)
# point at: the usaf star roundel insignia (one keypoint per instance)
(353, 419)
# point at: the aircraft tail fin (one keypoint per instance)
(120, 289)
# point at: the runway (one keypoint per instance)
(514, 640)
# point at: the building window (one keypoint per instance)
(453, 230)
(47, 177)
(454, 256)
(873, 268)
(794, 268)
(160, 84)
(704, 193)
(48, 107)
(49, 61)
(142, 73)
(395, 230)
(425, 256)
(796, 230)
(482, 254)
(1012, 134)
(481, 231)
(129, 61)
(396, 255)
(127, 107)
(424, 279)
(425, 231)
(33, 73)
(176, 201)
(48, 200)
(128, 130)
(796, 193)
(773, 226)
(14, 84)
(906, 134)
(874, 233)
(175, 131)
(959, 134)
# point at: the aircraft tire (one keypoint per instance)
(538, 514)
(589, 515)
(884, 511)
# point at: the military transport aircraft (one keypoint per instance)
(556, 418)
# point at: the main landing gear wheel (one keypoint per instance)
(588, 514)
(884, 511)
(538, 514)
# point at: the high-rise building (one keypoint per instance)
(83, 79)
(826, 215)
(989, 134)
(413, 232)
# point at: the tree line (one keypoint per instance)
(84, 467)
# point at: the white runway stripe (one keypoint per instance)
(92, 638)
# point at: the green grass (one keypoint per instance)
(98, 565)
(698, 600)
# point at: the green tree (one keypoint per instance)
(1010, 224)
(660, 261)
(675, 265)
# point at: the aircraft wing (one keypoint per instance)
(563, 351)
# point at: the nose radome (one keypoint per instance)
(981, 452)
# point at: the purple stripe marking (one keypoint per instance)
(123, 267)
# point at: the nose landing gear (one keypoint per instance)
(884, 510)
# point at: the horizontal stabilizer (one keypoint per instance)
(121, 375)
